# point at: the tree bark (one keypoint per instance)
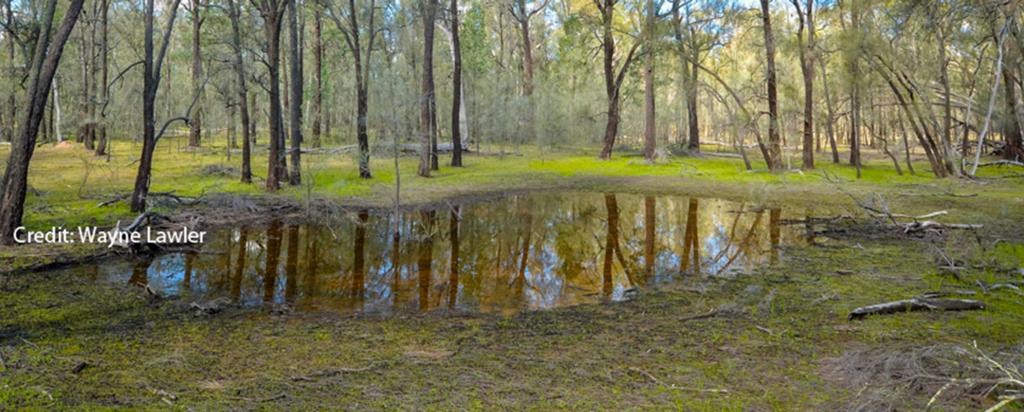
(243, 91)
(150, 84)
(456, 89)
(807, 51)
(429, 8)
(318, 58)
(650, 128)
(272, 12)
(101, 147)
(774, 150)
(196, 127)
(295, 108)
(12, 102)
(612, 82)
(1013, 131)
(855, 94)
(44, 66)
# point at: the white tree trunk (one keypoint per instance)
(56, 111)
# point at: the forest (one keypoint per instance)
(557, 204)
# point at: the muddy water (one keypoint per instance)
(523, 252)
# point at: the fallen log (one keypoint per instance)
(933, 225)
(915, 304)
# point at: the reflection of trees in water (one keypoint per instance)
(535, 251)
(291, 264)
(273, 254)
(236, 278)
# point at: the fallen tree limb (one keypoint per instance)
(921, 226)
(1002, 163)
(915, 304)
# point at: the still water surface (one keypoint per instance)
(523, 252)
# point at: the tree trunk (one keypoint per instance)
(196, 126)
(295, 109)
(1012, 129)
(807, 52)
(774, 150)
(55, 112)
(318, 58)
(101, 147)
(272, 13)
(831, 116)
(44, 65)
(457, 89)
(612, 82)
(427, 90)
(150, 84)
(85, 52)
(692, 122)
(243, 91)
(12, 103)
(650, 128)
(855, 95)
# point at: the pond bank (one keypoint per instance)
(772, 337)
(964, 199)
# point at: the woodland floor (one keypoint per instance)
(776, 339)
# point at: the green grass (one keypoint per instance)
(768, 353)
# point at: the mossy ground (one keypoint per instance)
(774, 333)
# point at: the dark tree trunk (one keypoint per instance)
(101, 147)
(693, 125)
(361, 59)
(150, 84)
(457, 87)
(855, 97)
(1013, 131)
(253, 114)
(612, 82)
(85, 52)
(44, 65)
(807, 52)
(12, 103)
(774, 150)
(295, 109)
(272, 11)
(243, 90)
(196, 127)
(429, 8)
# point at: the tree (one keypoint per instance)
(150, 84)
(649, 121)
(806, 19)
(318, 59)
(272, 11)
(853, 60)
(101, 146)
(456, 93)
(45, 60)
(774, 157)
(196, 9)
(295, 108)
(235, 15)
(347, 22)
(697, 32)
(428, 127)
(612, 78)
(12, 105)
